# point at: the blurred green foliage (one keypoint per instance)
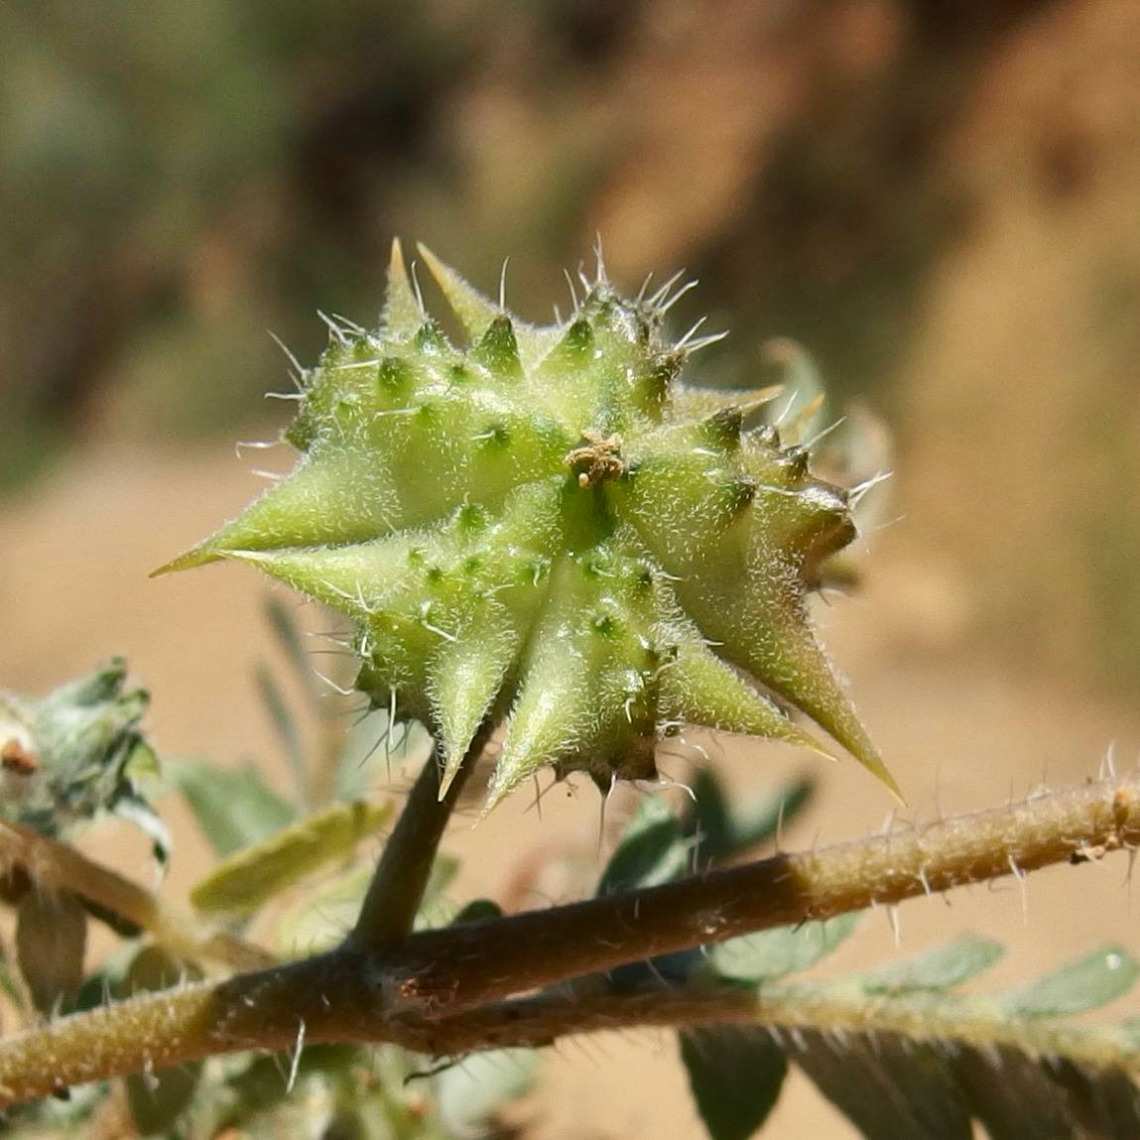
(171, 179)
(176, 181)
(174, 176)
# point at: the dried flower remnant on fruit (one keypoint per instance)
(597, 459)
(17, 757)
(546, 525)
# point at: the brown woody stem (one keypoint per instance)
(443, 990)
(456, 969)
(835, 1011)
(397, 888)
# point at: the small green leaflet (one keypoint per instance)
(651, 850)
(249, 878)
(786, 950)
(234, 807)
(1085, 984)
(725, 831)
(918, 1068)
(939, 969)
(288, 734)
(735, 1074)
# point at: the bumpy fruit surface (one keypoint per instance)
(547, 525)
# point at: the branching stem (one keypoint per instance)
(832, 1010)
(455, 969)
(55, 865)
(444, 991)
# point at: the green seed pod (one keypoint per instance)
(548, 526)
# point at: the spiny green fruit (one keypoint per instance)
(547, 525)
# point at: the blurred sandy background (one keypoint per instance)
(939, 199)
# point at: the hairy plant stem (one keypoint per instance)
(52, 865)
(397, 888)
(455, 969)
(444, 991)
(835, 1010)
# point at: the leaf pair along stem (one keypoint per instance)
(456, 989)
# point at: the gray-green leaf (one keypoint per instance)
(724, 831)
(651, 851)
(939, 969)
(234, 807)
(772, 954)
(285, 725)
(250, 877)
(1085, 984)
